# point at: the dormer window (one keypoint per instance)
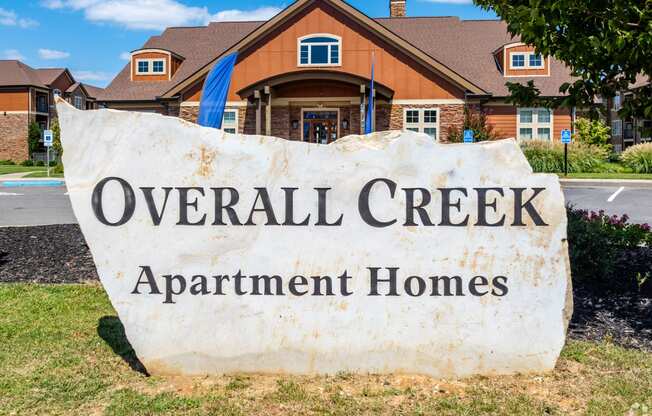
(150, 66)
(320, 50)
(523, 60)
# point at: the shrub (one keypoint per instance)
(607, 253)
(53, 163)
(56, 143)
(27, 162)
(592, 132)
(34, 134)
(7, 162)
(58, 169)
(476, 121)
(546, 156)
(638, 158)
(39, 163)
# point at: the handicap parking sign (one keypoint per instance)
(565, 136)
(468, 136)
(47, 138)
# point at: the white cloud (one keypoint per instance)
(91, 75)
(12, 54)
(262, 13)
(125, 56)
(10, 18)
(154, 14)
(52, 54)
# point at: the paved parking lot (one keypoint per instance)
(50, 205)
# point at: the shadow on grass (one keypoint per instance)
(111, 330)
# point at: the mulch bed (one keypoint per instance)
(59, 254)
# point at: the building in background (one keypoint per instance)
(27, 95)
(305, 74)
(630, 131)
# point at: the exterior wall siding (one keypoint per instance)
(13, 137)
(151, 55)
(14, 101)
(277, 55)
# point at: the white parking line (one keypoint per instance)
(10, 194)
(615, 194)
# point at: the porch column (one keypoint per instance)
(258, 111)
(268, 111)
(362, 107)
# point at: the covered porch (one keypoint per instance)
(311, 106)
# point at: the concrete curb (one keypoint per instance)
(636, 183)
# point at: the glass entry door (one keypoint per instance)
(320, 126)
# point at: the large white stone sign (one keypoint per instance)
(384, 253)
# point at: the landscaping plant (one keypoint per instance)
(609, 254)
(592, 132)
(34, 134)
(638, 158)
(547, 156)
(476, 121)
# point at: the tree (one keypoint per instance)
(56, 144)
(34, 134)
(606, 45)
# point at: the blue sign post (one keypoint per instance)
(566, 138)
(48, 137)
(468, 136)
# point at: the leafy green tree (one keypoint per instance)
(606, 45)
(593, 132)
(34, 134)
(56, 144)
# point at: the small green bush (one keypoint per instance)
(58, 169)
(592, 132)
(7, 162)
(27, 162)
(53, 163)
(34, 135)
(638, 158)
(39, 163)
(546, 156)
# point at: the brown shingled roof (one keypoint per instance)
(49, 75)
(465, 46)
(198, 45)
(93, 91)
(15, 73)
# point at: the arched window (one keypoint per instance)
(320, 50)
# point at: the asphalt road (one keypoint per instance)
(50, 205)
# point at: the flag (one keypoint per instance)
(216, 88)
(368, 122)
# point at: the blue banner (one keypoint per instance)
(368, 122)
(216, 88)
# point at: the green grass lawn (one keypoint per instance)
(4, 169)
(62, 349)
(44, 174)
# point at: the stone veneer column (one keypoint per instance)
(13, 137)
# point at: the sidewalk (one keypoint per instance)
(16, 175)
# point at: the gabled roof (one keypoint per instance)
(460, 50)
(14, 73)
(49, 75)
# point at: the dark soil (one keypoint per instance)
(58, 254)
(45, 254)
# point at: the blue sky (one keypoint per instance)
(92, 37)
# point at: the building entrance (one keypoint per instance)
(320, 126)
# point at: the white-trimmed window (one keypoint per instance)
(525, 60)
(617, 128)
(230, 121)
(422, 120)
(617, 102)
(150, 66)
(78, 102)
(319, 50)
(534, 124)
